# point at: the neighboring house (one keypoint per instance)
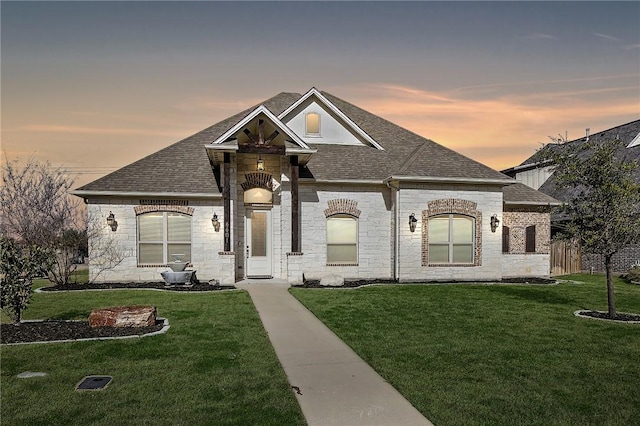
(310, 185)
(539, 175)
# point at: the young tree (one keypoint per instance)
(18, 267)
(37, 210)
(603, 209)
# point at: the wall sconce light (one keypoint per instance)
(260, 164)
(494, 223)
(412, 222)
(112, 222)
(215, 222)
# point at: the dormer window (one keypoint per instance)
(312, 124)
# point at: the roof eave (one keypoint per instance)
(88, 193)
(342, 181)
(531, 203)
(442, 179)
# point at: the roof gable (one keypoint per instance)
(343, 125)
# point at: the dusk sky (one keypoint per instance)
(95, 86)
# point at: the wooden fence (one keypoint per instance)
(565, 258)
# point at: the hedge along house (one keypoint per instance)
(310, 185)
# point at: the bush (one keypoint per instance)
(633, 275)
(18, 267)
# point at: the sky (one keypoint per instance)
(94, 86)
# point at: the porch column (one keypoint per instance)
(295, 208)
(226, 197)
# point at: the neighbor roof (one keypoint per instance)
(183, 168)
(623, 134)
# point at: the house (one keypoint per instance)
(310, 185)
(538, 174)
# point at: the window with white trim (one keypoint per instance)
(451, 239)
(162, 235)
(312, 124)
(342, 239)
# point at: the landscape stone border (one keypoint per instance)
(163, 330)
(580, 314)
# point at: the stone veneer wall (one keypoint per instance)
(373, 203)
(415, 198)
(621, 261)
(205, 242)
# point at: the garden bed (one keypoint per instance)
(148, 285)
(50, 331)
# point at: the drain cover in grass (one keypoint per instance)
(94, 383)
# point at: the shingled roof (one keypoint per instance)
(623, 134)
(184, 168)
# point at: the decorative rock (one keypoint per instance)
(332, 280)
(123, 316)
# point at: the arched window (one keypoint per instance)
(451, 239)
(342, 239)
(312, 124)
(162, 235)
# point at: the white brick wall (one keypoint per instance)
(374, 230)
(205, 242)
(413, 198)
(525, 265)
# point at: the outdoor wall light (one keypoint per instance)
(494, 223)
(412, 222)
(215, 222)
(260, 164)
(112, 222)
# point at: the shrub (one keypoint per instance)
(633, 275)
(18, 267)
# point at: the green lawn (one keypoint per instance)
(214, 366)
(495, 354)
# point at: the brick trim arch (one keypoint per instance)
(342, 206)
(257, 180)
(452, 206)
(163, 208)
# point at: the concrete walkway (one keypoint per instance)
(336, 387)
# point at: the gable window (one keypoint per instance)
(451, 239)
(342, 239)
(530, 239)
(312, 124)
(162, 235)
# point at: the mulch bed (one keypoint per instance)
(156, 285)
(605, 316)
(360, 283)
(47, 331)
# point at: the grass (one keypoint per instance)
(214, 366)
(495, 354)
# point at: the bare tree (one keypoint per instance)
(104, 250)
(37, 210)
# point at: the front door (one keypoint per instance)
(258, 241)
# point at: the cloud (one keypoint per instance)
(607, 37)
(540, 36)
(503, 130)
(632, 46)
(48, 128)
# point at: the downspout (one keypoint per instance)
(395, 193)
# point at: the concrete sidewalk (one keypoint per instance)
(336, 387)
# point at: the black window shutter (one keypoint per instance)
(505, 239)
(531, 239)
